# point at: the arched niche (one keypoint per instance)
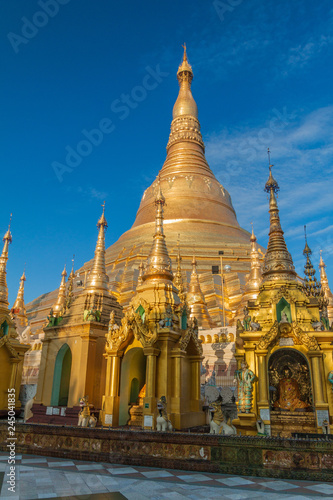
(61, 377)
(283, 307)
(132, 379)
(134, 390)
(4, 328)
(142, 312)
(300, 374)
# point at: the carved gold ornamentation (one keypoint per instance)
(191, 334)
(288, 330)
(269, 337)
(5, 341)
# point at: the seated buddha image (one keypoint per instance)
(289, 395)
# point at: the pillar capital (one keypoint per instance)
(315, 354)
(178, 353)
(262, 352)
(114, 353)
(151, 351)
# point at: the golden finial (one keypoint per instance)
(307, 249)
(102, 220)
(271, 185)
(8, 235)
(253, 238)
(185, 55)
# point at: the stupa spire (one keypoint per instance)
(179, 276)
(325, 287)
(19, 302)
(159, 262)
(311, 286)
(185, 125)
(323, 276)
(278, 263)
(98, 280)
(3, 265)
(195, 299)
(255, 277)
(59, 307)
(70, 285)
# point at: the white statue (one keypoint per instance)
(284, 318)
(260, 427)
(326, 427)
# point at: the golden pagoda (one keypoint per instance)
(196, 301)
(253, 279)
(326, 289)
(72, 363)
(11, 350)
(156, 346)
(199, 209)
(283, 352)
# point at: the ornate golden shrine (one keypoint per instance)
(157, 325)
(291, 361)
(72, 363)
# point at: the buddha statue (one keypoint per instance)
(289, 396)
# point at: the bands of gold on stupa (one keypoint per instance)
(98, 280)
(159, 262)
(3, 265)
(278, 263)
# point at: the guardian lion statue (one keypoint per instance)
(162, 422)
(85, 419)
(217, 423)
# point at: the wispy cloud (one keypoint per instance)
(88, 192)
(302, 152)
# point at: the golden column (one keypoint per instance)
(110, 414)
(316, 357)
(263, 385)
(150, 399)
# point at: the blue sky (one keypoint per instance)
(262, 78)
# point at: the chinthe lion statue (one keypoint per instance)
(85, 419)
(162, 421)
(217, 423)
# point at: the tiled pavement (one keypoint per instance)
(50, 477)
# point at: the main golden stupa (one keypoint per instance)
(199, 219)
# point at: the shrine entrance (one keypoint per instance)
(61, 377)
(132, 379)
(290, 393)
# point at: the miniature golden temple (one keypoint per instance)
(284, 345)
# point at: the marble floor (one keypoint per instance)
(50, 477)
